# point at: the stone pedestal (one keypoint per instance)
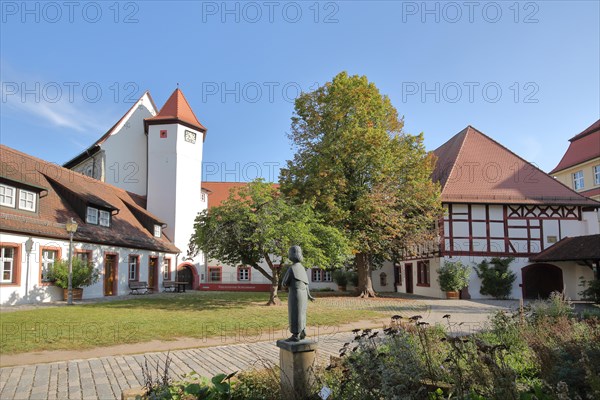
(296, 361)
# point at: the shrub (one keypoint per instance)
(497, 279)
(591, 290)
(453, 276)
(353, 278)
(84, 274)
(341, 277)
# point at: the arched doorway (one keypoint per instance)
(186, 272)
(539, 280)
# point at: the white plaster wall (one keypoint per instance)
(229, 273)
(388, 269)
(592, 222)
(10, 295)
(125, 150)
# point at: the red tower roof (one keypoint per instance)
(584, 146)
(177, 109)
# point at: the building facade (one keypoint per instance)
(579, 168)
(497, 205)
(115, 232)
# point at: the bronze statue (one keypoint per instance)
(296, 280)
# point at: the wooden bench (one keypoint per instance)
(138, 287)
(169, 286)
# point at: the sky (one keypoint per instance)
(524, 73)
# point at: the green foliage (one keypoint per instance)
(557, 305)
(453, 276)
(257, 385)
(84, 274)
(361, 171)
(341, 277)
(496, 279)
(590, 290)
(256, 223)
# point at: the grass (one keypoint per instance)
(231, 317)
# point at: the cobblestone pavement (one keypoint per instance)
(105, 377)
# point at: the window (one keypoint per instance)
(423, 273)
(134, 262)
(214, 274)
(597, 175)
(104, 218)
(243, 274)
(383, 279)
(203, 197)
(319, 275)
(157, 230)
(397, 274)
(27, 200)
(8, 259)
(7, 196)
(49, 257)
(578, 180)
(166, 269)
(92, 215)
(85, 256)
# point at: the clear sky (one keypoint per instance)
(525, 73)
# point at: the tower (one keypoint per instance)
(175, 143)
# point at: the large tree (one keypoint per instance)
(361, 171)
(257, 225)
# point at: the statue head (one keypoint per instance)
(295, 254)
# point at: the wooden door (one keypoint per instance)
(153, 273)
(408, 273)
(110, 274)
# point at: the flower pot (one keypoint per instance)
(452, 295)
(77, 294)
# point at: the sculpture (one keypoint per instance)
(296, 280)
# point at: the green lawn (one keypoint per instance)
(232, 317)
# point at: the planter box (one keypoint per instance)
(77, 294)
(453, 295)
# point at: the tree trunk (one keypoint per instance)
(363, 268)
(274, 299)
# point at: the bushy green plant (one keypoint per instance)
(590, 290)
(557, 305)
(257, 385)
(496, 279)
(353, 278)
(453, 276)
(341, 277)
(84, 273)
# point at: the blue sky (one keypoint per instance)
(525, 73)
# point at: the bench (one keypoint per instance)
(138, 287)
(169, 286)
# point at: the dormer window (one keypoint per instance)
(18, 198)
(97, 217)
(7, 196)
(157, 230)
(104, 218)
(27, 200)
(92, 216)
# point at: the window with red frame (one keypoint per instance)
(423, 273)
(243, 274)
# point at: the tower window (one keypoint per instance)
(157, 230)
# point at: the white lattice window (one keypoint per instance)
(597, 175)
(27, 200)
(7, 258)
(92, 215)
(104, 219)
(578, 180)
(7, 196)
(133, 268)
(48, 259)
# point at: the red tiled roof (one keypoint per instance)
(584, 146)
(472, 167)
(591, 193)
(219, 191)
(64, 191)
(177, 109)
(577, 248)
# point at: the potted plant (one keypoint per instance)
(84, 274)
(341, 278)
(452, 277)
